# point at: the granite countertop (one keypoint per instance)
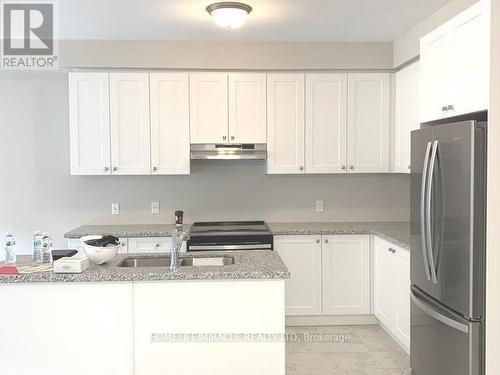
(248, 265)
(126, 230)
(397, 232)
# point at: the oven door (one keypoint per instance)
(230, 243)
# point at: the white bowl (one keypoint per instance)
(99, 255)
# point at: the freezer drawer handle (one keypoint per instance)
(422, 211)
(436, 315)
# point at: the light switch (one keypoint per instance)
(155, 207)
(319, 206)
(115, 208)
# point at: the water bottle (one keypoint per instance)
(37, 247)
(10, 248)
(46, 247)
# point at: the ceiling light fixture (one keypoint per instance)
(230, 15)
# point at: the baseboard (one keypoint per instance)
(393, 336)
(330, 320)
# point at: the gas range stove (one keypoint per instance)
(230, 235)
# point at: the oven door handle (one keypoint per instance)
(231, 247)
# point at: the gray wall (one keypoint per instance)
(38, 192)
(225, 55)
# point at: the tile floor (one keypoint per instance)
(365, 350)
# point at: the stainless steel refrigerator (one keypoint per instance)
(448, 183)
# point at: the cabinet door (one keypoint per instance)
(470, 36)
(149, 245)
(402, 321)
(208, 107)
(302, 256)
(326, 122)
(285, 123)
(169, 93)
(385, 282)
(435, 66)
(247, 108)
(89, 123)
(407, 116)
(346, 275)
(368, 123)
(130, 128)
(93, 333)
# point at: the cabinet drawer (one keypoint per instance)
(149, 245)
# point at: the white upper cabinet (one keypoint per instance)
(435, 66)
(89, 123)
(208, 107)
(368, 122)
(346, 275)
(326, 123)
(247, 108)
(454, 64)
(169, 101)
(471, 59)
(285, 123)
(406, 116)
(130, 128)
(302, 256)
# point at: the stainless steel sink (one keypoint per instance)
(207, 261)
(145, 262)
(189, 261)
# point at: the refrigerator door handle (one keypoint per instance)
(445, 319)
(422, 211)
(428, 205)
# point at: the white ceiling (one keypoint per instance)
(271, 20)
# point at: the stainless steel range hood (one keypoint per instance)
(229, 152)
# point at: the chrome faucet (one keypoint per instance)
(177, 239)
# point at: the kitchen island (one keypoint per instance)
(147, 320)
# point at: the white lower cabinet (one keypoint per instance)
(67, 328)
(330, 275)
(392, 289)
(346, 275)
(302, 256)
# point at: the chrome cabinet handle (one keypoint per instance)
(155, 169)
(343, 167)
(317, 241)
(157, 245)
(351, 167)
(450, 107)
(392, 250)
(232, 138)
(106, 169)
(326, 240)
(115, 169)
(301, 168)
(444, 109)
(224, 137)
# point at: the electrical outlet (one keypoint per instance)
(115, 208)
(319, 206)
(155, 207)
